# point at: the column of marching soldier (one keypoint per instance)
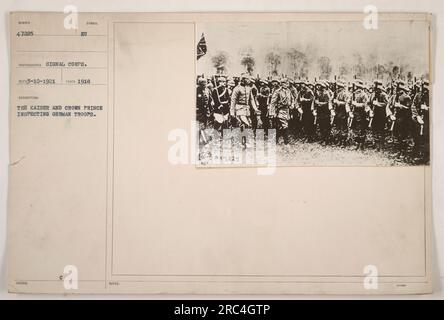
(330, 112)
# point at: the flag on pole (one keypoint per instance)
(201, 47)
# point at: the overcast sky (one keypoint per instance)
(402, 42)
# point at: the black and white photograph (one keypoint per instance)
(313, 93)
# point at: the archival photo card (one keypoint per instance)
(311, 173)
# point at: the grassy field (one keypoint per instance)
(301, 153)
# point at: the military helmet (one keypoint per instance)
(341, 83)
(201, 80)
(359, 84)
(322, 84)
(275, 79)
(377, 83)
(403, 86)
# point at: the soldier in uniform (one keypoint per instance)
(263, 99)
(241, 101)
(210, 85)
(378, 105)
(295, 119)
(415, 89)
(401, 115)
(322, 111)
(420, 116)
(305, 108)
(221, 104)
(358, 113)
(341, 107)
(203, 98)
(256, 122)
(271, 111)
(282, 101)
(252, 83)
(275, 84)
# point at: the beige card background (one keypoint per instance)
(101, 194)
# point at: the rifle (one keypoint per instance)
(315, 112)
(353, 92)
(350, 119)
(350, 122)
(372, 107)
(335, 87)
(395, 100)
(396, 111)
(393, 124)
(335, 95)
(332, 118)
